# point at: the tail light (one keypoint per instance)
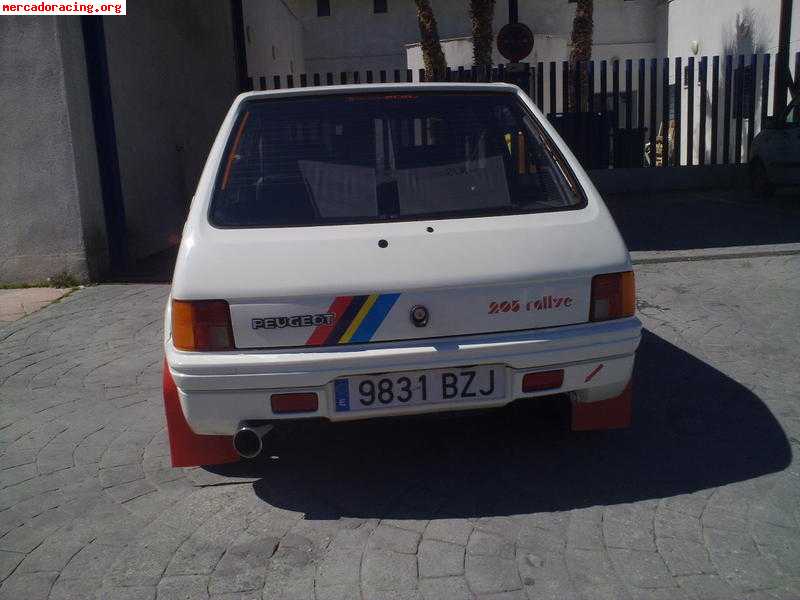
(613, 296)
(294, 403)
(543, 380)
(201, 325)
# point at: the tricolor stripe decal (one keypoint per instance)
(357, 319)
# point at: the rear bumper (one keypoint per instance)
(217, 390)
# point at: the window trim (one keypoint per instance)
(570, 176)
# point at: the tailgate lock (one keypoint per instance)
(419, 316)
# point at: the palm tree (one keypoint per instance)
(581, 51)
(482, 12)
(432, 55)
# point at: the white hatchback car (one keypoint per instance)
(381, 250)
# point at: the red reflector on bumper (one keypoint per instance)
(545, 380)
(293, 403)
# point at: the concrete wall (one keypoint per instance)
(173, 77)
(274, 38)
(51, 217)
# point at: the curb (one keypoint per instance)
(666, 256)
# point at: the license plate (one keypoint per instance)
(466, 384)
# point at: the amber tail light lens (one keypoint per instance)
(613, 296)
(203, 325)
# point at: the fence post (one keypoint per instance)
(751, 113)
(665, 113)
(726, 125)
(289, 81)
(553, 102)
(640, 103)
(765, 90)
(316, 78)
(739, 91)
(615, 93)
(603, 87)
(714, 108)
(565, 87)
(703, 78)
(262, 83)
(797, 82)
(690, 111)
(540, 86)
(653, 109)
(677, 115)
(590, 87)
(276, 81)
(628, 92)
(303, 80)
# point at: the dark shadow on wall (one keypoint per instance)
(705, 219)
(694, 428)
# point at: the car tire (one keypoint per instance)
(759, 180)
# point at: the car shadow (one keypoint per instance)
(694, 428)
(704, 219)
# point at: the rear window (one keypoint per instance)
(376, 156)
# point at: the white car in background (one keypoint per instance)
(369, 251)
(775, 152)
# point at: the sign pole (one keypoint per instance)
(513, 11)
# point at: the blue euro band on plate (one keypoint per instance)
(342, 394)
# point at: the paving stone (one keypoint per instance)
(440, 559)
(684, 557)
(387, 570)
(488, 574)
(183, 587)
(445, 588)
(9, 562)
(31, 586)
(641, 569)
(490, 544)
(455, 531)
(391, 538)
(707, 586)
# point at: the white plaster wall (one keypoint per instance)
(712, 24)
(273, 37)
(354, 38)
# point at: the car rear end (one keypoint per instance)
(372, 251)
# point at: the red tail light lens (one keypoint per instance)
(203, 325)
(613, 296)
(544, 380)
(294, 403)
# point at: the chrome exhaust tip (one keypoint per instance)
(248, 440)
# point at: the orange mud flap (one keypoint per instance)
(187, 448)
(614, 413)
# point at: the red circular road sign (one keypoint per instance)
(515, 41)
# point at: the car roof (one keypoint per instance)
(379, 87)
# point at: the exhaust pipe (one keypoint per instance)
(248, 440)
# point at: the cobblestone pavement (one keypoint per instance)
(700, 499)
